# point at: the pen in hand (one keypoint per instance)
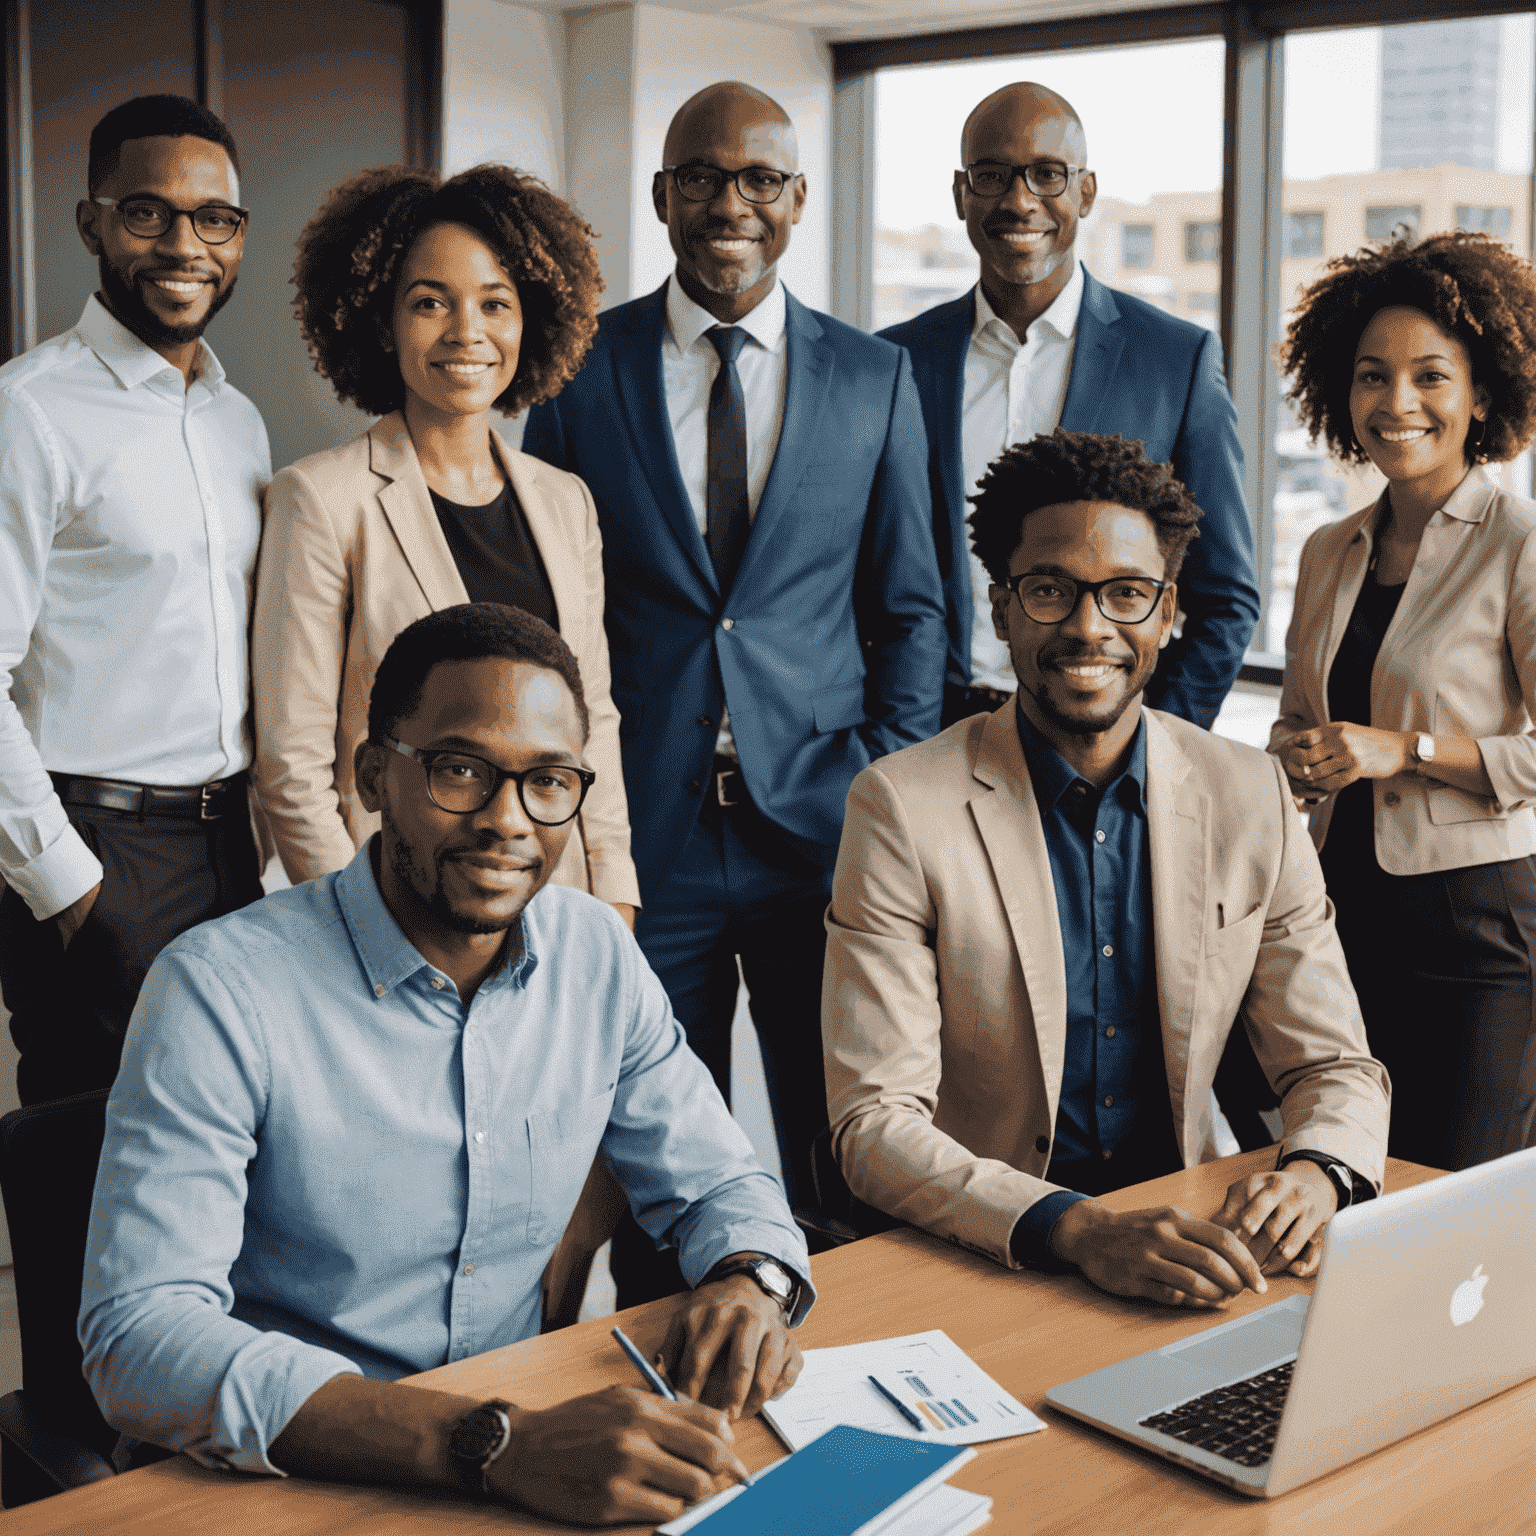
(655, 1382)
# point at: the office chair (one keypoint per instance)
(52, 1435)
(840, 1216)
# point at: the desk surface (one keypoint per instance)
(1475, 1472)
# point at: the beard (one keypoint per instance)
(427, 884)
(1106, 716)
(126, 303)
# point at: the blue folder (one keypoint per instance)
(836, 1486)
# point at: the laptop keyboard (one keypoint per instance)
(1239, 1421)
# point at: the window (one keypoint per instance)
(1388, 221)
(1202, 240)
(1136, 245)
(1489, 221)
(1205, 303)
(1302, 236)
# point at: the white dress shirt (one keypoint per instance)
(1013, 391)
(689, 367)
(130, 513)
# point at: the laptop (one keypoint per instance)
(1422, 1307)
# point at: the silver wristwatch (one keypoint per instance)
(771, 1277)
(1424, 749)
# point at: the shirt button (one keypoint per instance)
(1109, 1101)
(437, 983)
(705, 720)
(727, 623)
(1109, 1031)
(1098, 837)
(1107, 1153)
(1042, 1143)
(479, 1135)
(378, 991)
(1391, 797)
(469, 1269)
(1109, 949)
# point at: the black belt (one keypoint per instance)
(200, 802)
(730, 787)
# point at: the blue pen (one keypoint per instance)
(897, 1404)
(656, 1384)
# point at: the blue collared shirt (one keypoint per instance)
(318, 1160)
(1102, 873)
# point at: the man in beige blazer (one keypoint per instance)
(1046, 921)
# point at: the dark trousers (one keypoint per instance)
(742, 891)
(70, 1008)
(1442, 964)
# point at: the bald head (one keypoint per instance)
(729, 110)
(1025, 105)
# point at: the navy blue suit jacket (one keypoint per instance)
(829, 649)
(1143, 373)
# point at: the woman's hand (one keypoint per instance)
(1323, 760)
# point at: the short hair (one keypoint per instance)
(151, 117)
(1471, 286)
(351, 253)
(465, 632)
(1078, 466)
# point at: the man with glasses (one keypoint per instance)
(1038, 343)
(130, 485)
(774, 612)
(1046, 922)
(353, 1120)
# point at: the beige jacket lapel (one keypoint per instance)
(563, 564)
(1008, 820)
(407, 505)
(1178, 840)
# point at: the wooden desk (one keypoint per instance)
(1476, 1472)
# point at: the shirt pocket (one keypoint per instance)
(561, 1145)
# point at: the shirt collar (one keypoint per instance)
(133, 362)
(1060, 317)
(389, 957)
(1052, 775)
(688, 321)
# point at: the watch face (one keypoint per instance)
(775, 1280)
(476, 1435)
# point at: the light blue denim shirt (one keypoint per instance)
(318, 1160)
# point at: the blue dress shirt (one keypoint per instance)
(1114, 1094)
(318, 1160)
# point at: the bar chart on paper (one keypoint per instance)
(893, 1385)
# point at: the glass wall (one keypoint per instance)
(1419, 128)
(1156, 230)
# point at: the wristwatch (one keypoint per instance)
(1348, 1185)
(479, 1438)
(1424, 749)
(771, 1276)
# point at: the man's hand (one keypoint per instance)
(617, 1456)
(72, 919)
(1323, 760)
(1280, 1217)
(1165, 1254)
(730, 1346)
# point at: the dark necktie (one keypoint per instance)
(728, 520)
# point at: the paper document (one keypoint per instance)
(956, 1401)
(942, 1511)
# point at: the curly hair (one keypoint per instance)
(351, 253)
(1077, 466)
(1472, 287)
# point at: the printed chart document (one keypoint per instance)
(847, 1483)
(956, 1401)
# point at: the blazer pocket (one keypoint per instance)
(1448, 805)
(839, 708)
(1233, 936)
(561, 1145)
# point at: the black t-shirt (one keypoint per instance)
(497, 559)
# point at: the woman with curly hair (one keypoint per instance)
(431, 305)
(1410, 678)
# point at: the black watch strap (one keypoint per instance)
(728, 1267)
(1348, 1184)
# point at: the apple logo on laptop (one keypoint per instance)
(1467, 1300)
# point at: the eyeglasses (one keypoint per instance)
(150, 217)
(461, 784)
(704, 183)
(1045, 178)
(1049, 599)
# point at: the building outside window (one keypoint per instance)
(1489, 221)
(1137, 243)
(1386, 221)
(1302, 235)
(1202, 240)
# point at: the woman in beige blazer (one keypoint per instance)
(1410, 679)
(431, 305)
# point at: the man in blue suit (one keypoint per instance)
(774, 610)
(1039, 343)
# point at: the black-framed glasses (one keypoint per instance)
(704, 183)
(461, 783)
(1050, 599)
(1045, 178)
(149, 217)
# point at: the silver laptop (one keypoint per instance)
(1422, 1307)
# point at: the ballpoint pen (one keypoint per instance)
(897, 1404)
(655, 1382)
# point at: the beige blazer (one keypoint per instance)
(351, 553)
(1459, 659)
(944, 1008)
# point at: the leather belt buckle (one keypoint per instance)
(210, 805)
(727, 788)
